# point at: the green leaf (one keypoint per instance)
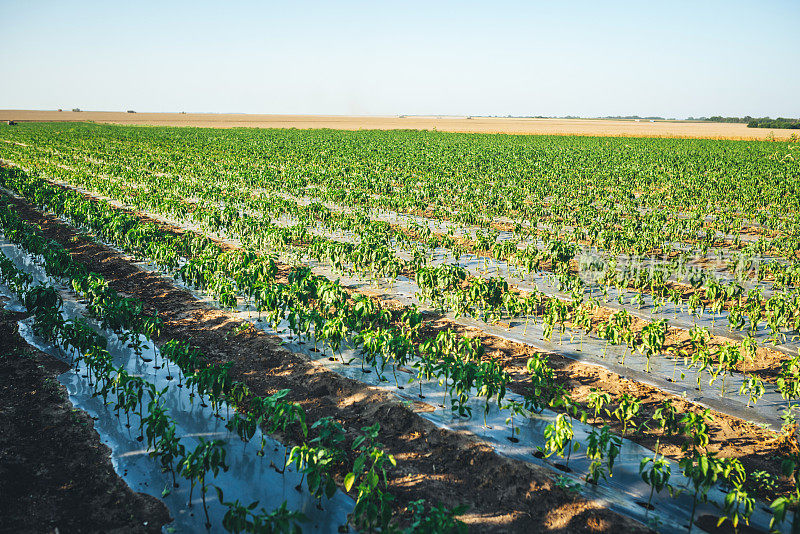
(348, 481)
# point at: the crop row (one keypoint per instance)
(317, 458)
(489, 299)
(374, 256)
(455, 361)
(711, 186)
(211, 189)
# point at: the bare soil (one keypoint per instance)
(593, 127)
(55, 474)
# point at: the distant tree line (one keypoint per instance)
(754, 122)
(717, 118)
(780, 122)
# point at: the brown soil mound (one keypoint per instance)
(54, 471)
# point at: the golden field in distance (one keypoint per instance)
(598, 127)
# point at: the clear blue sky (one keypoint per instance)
(591, 58)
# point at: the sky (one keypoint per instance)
(553, 58)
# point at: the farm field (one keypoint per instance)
(504, 125)
(419, 330)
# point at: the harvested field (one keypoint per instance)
(589, 127)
